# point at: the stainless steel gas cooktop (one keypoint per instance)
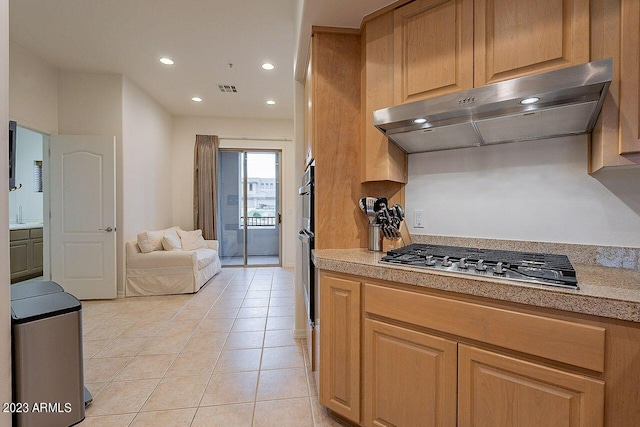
(544, 269)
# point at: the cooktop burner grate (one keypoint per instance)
(531, 267)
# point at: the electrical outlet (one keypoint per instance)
(418, 218)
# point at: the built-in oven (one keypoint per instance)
(306, 237)
(306, 191)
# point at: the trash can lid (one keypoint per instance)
(33, 289)
(43, 306)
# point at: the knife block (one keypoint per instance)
(389, 244)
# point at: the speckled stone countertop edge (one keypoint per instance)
(616, 302)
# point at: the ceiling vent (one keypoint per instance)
(228, 88)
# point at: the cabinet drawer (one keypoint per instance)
(18, 234)
(36, 233)
(567, 342)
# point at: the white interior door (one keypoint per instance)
(83, 219)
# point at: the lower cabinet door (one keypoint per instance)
(37, 250)
(410, 377)
(19, 253)
(496, 390)
(340, 346)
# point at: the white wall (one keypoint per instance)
(146, 163)
(185, 130)
(531, 191)
(91, 104)
(33, 93)
(5, 318)
(28, 149)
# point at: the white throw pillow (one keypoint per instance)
(192, 240)
(150, 241)
(171, 241)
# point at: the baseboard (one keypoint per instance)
(290, 265)
(299, 333)
(121, 294)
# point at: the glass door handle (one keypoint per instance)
(279, 218)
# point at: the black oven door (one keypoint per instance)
(306, 240)
(307, 206)
(306, 191)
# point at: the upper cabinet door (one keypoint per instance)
(383, 160)
(433, 49)
(514, 38)
(630, 79)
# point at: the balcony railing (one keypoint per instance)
(259, 221)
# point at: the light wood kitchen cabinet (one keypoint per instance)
(382, 160)
(433, 49)
(501, 391)
(514, 38)
(630, 78)
(615, 141)
(444, 46)
(333, 128)
(434, 358)
(340, 346)
(409, 377)
(25, 253)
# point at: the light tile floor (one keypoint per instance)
(251, 260)
(222, 357)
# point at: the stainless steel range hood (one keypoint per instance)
(568, 103)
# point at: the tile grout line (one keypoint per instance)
(264, 336)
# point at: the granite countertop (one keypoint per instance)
(604, 291)
(25, 226)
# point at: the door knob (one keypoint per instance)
(108, 229)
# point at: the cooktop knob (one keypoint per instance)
(463, 263)
(499, 269)
(446, 262)
(429, 261)
(480, 265)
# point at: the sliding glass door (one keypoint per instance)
(249, 207)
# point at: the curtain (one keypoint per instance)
(205, 185)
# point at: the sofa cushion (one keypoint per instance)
(205, 257)
(171, 241)
(192, 240)
(150, 241)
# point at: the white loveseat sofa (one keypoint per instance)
(163, 272)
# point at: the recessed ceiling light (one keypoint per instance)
(531, 100)
(166, 61)
(271, 102)
(268, 66)
(420, 121)
(196, 99)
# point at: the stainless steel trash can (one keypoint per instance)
(34, 289)
(47, 360)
